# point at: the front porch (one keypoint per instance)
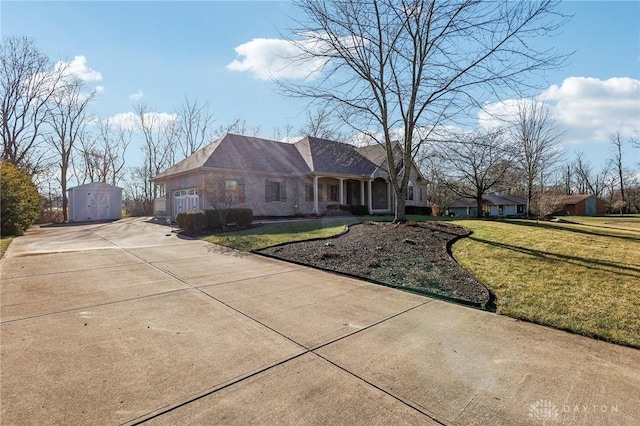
(374, 194)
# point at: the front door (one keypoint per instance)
(98, 205)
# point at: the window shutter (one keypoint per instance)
(283, 191)
(267, 190)
(241, 190)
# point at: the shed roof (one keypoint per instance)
(95, 186)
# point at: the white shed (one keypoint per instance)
(95, 201)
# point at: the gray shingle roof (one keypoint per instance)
(236, 152)
(245, 153)
(492, 200)
(325, 156)
(254, 154)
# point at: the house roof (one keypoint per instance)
(463, 203)
(574, 199)
(503, 200)
(245, 153)
(492, 200)
(377, 154)
(325, 156)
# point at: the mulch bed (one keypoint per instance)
(415, 256)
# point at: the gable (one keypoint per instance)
(247, 153)
(325, 156)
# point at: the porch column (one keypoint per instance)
(315, 195)
(369, 195)
(362, 193)
(341, 192)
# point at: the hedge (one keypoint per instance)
(418, 210)
(209, 220)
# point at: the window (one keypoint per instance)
(500, 210)
(520, 208)
(234, 190)
(320, 192)
(274, 191)
(308, 192)
(410, 191)
(333, 192)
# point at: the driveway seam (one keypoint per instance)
(161, 411)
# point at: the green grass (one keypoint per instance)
(271, 234)
(582, 276)
(4, 245)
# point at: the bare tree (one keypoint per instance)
(221, 193)
(417, 64)
(103, 156)
(194, 126)
(471, 165)
(160, 135)
(616, 144)
(536, 138)
(545, 204)
(68, 118)
(319, 124)
(238, 126)
(28, 82)
(586, 180)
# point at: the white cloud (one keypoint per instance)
(274, 58)
(130, 120)
(77, 68)
(135, 97)
(588, 109)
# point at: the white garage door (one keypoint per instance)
(185, 200)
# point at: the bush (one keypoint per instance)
(195, 221)
(359, 210)
(241, 217)
(20, 202)
(213, 220)
(209, 220)
(418, 210)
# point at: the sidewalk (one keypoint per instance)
(123, 323)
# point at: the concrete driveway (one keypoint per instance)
(121, 323)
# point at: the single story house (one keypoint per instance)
(275, 178)
(582, 205)
(495, 205)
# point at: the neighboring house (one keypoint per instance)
(495, 205)
(582, 205)
(283, 179)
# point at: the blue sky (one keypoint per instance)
(162, 51)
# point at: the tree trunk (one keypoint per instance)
(479, 207)
(400, 216)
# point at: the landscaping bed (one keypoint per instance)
(414, 255)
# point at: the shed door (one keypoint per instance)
(98, 205)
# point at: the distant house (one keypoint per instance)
(495, 205)
(582, 205)
(274, 178)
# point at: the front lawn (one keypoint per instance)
(4, 245)
(582, 276)
(271, 234)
